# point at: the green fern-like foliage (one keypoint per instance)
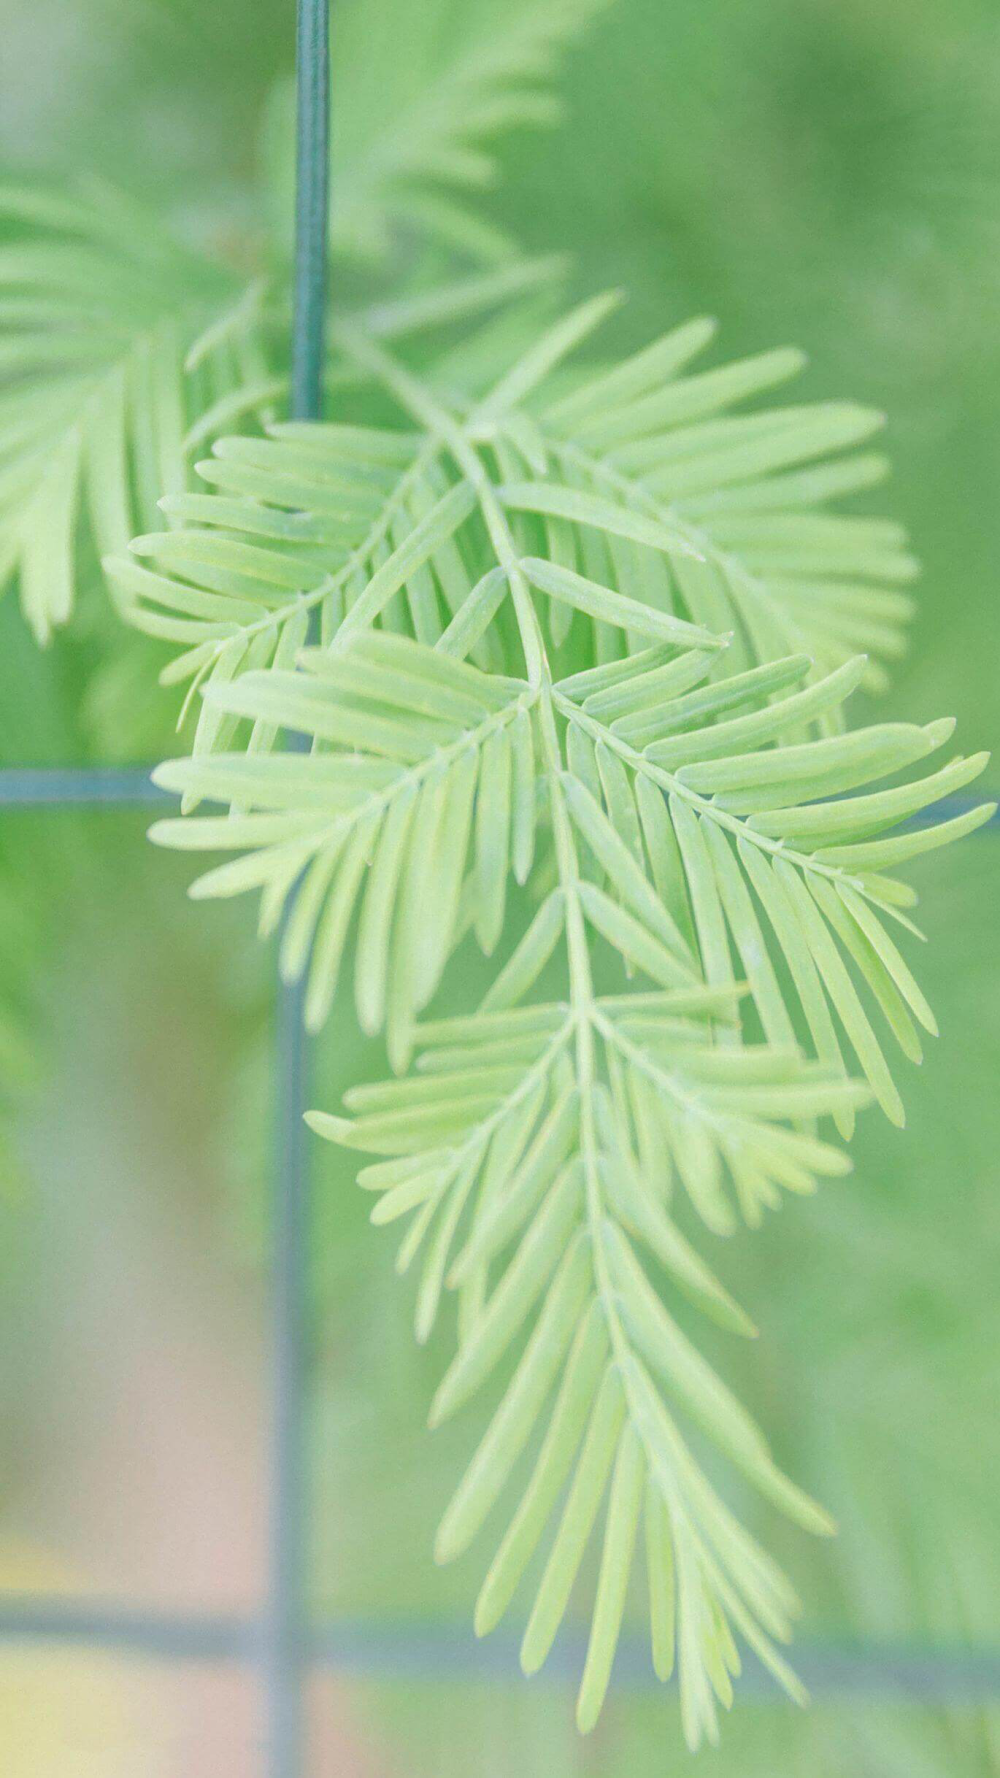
(723, 527)
(424, 94)
(518, 681)
(122, 349)
(121, 354)
(114, 339)
(569, 650)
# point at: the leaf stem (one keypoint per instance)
(423, 406)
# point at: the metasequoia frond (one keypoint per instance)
(569, 650)
(723, 528)
(750, 494)
(407, 734)
(707, 834)
(121, 349)
(121, 354)
(114, 339)
(423, 93)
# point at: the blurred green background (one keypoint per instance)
(820, 174)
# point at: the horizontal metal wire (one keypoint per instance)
(157, 1636)
(123, 786)
(43, 786)
(372, 1650)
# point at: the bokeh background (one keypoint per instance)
(819, 173)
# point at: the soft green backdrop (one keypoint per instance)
(824, 174)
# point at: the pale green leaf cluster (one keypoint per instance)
(705, 963)
(569, 649)
(423, 95)
(409, 742)
(366, 525)
(655, 444)
(122, 355)
(123, 351)
(113, 340)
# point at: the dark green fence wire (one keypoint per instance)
(312, 207)
(285, 1623)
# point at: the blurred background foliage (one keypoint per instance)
(820, 174)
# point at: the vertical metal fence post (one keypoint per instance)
(285, 1628)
